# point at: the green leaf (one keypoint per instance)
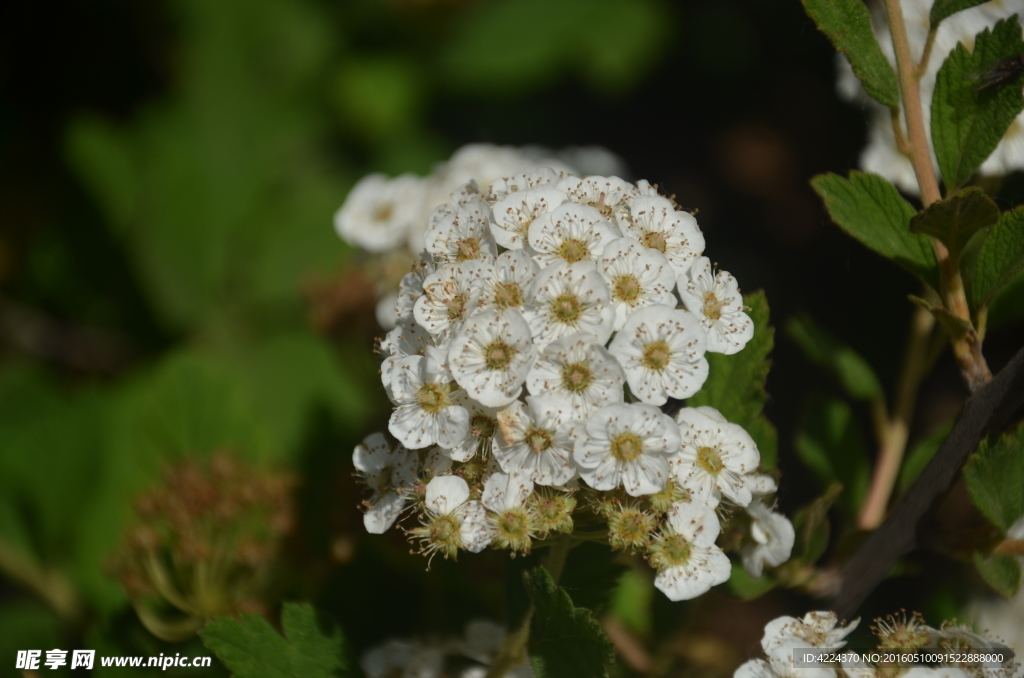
(631, 601)
(1000, 260)
(745, 587)
(871, 210)
(853, 372)
(943, 9)
(968, 122)
(1008, 304)
(920, 455)
(1002, 573)
(812, 527)
(565, 641)
(955, 220)
(735, 385)
(847, 23)
(830, 444)
(251, 648)
(995, 479)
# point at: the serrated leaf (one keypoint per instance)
(565, 641)
(1000, 260)
(745, 587)
(995, 479)
(847, 23)
(812, 527)
(251, 648)
(1002, 573)
(830, 444)
(955, 220)
(919, 456)
(943, 9)
(853, 372)
(870, 209)
(968, 122)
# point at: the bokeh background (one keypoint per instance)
(171, 284)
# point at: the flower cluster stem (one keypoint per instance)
(50, 585)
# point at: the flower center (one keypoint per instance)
(383, 212)
(573, 250)
(498, 355)
(709, 460)
(538, 439)
(432, 398)
(467, 248)
(627, 446)
(657, 356)
(443, 530)
(677, 550)
(627, 288)
(602, 207)
(577, 377)
(567, 309)
(482, 426)
(508, 295)
(655, 239)
(513, 524)
(712, 306)
(456, 307)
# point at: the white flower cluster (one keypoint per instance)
(897, 634)
(881, 154)
(466, 657)
(535, 343)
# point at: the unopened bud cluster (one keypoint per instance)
(549, 320)
(203, 544)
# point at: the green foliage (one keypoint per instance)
(812, 527)
(379, 97)
(968, 122)
(1000, 260)
(251, 648)
(745, 587)
(631, 601)
(995, 479)
(943, 9)
(830, 444)
(870, 209)
(735, 385)
(847, 23)
(853, 372)
(565, 641)
(1002, 573)
(955, 220)
(919, 456)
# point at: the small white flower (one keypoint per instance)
(379, 212)
(661, 350)
(507, 282)
(411, 286)
(580, 374)
(402, 658)
(389, 472)
(406, 339)
(715, 298)
(637, 276)
(491, 356)
(462, 234)
(521, 182)
(448, 299)
(716, 458)
(426, 412)
(627, 445)
(782, 667)
(504, 492)
(483, 424)
(773, 538)
(569, 298)
(611, 196)
(515, 213)
(532, 443)
(656, 224)
(685, 555)
(816, 629)
(449, 496)
(385, 310)
(570, 233)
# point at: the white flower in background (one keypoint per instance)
(576, 376)
(406, 339)
(773, 538)
(611, 196)
(783, 667)
(662, 350)
(402, 659)
(816, 629)
(379, 212)
(447, 299)
(569, 298)
(389, 472)
(506, 496)
(516, 212)
(637, 276)
(483, 424)
(506, 282)
(451, 519)
(685, 555)
(716, 459)
(626, 445)
(462, 235)
(386, 311)
(714, 296)
(425, 411)
(517, 182)
(491, 355)
(569, 233)
(535, 442)
(656, 224)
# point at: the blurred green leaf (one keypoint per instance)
(745, 587)
(830, 445)
(995, 479)
(812, 526)
(1002, 573)
(870, 209)
(379, 97)
(919, 456)
(955, 220)
(853, 372)
(565, 640)
(251, 648)
(1008, 304)
(27, 626)
(631, 601)
(943, 9)
(967, 123)
(1000, 260)
(847, 23)
(101, 156)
